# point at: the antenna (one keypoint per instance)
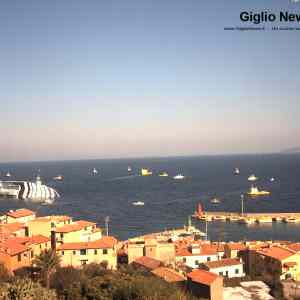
(242, 208)
(106, 220)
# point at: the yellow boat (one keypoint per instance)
(163, 174)
(254, 191)
(145, 172)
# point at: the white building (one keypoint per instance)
(196, 254)
(228, 267)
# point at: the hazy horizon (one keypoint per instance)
(144, 79)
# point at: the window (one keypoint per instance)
(184, 259)
(221, 273)
(40, 246)
(74, 252)
(236, 271)
(197, 262)
(61, 235)
(32, 253)
(62, 252)
(227, 273)
(19, 257)
(95, 252)
(104, 251)
(82, 251)
(208, 258)
(52, 225)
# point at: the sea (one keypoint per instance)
(168, 203)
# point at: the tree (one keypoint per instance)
(47, 262)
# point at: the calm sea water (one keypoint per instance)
(168, 202)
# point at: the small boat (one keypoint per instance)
(8, 174)
(254, 191)
(129, 169)
(272, 179)
(236, 171)
(178, 177)
(145, 172)
(95, 172)
(215, 201)
(58, 178)
(138, 203)
(163, 174)
(252, 178)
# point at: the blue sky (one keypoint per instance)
(102, 79)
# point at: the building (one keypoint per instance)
(14, 255)
(77, 254)
(22, 215)
(228, 267)
(278, 262)
(205, 284)
(79, 231)
(151, 247)
(169, 275)
(147, 264)
(44, 225)
(15, 229)
(195, 254)
(232, 250)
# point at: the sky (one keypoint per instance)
(137, 78)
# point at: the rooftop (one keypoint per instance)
(103, 243)
(12, 247)
(148, 262)
(168, 274)
(202, 276)
(277, 252)
(223, 263)
(20, 213)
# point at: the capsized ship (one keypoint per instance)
(26, 190)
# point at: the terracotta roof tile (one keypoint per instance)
(168, 274)
(13, 227)
(19, 213)
(236, 246)
(103, 243)
(294, 247)
(277, 252)
(12, 247)
(68, 228)
(202, 276)
(38, 239)
(84, 223)
(223, 263)
(148, 262)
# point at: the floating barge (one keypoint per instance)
(246, 218)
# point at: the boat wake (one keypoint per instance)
(123, 177)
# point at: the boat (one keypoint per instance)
(26, 190)
(138, 203)
(215, 201)
(145, 172)
(8, 174)
(254, 191)
(95, 172)
(236, 171)
(129, 169)
(272, 179)
(178, 177)
(252, 177)
(163, 174)
(58, 178)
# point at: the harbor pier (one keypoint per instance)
(246, 218)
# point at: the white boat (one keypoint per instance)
(8, 174)
(215, 201)
(58, 177)
(163, 174)
(178, 177)
(138, 203)
(272, 179)
(252, 177)
(95, 172)
(129, 169)
(236, 171)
